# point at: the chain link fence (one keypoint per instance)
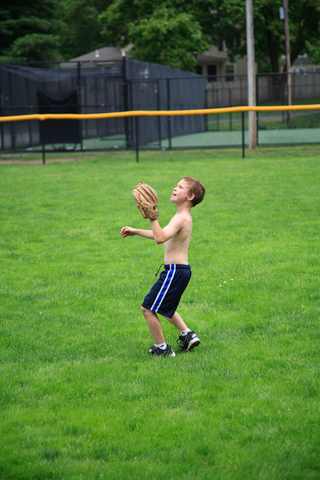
(139, 86)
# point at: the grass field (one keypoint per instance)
(81, 399)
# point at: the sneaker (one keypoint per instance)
(188, 342)
(161, 353)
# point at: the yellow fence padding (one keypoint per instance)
(151, 113)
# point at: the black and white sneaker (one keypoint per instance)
(161, 353)
(188, 342)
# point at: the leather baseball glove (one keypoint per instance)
(146, 199)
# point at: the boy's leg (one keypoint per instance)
(154, 325)
(188, 339)
(177, 322)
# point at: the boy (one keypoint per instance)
(165, 295)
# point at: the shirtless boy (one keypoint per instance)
(165, 295)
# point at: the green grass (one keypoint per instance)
(79, 395)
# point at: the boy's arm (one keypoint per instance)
(130, 232)
(158, 234)
(161, 235)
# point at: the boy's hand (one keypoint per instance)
(127, 232)
(146, 199)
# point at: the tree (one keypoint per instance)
(82, 32)
(49, 30)
(146, 23)
(159, 32)
(35, 47)
(304, 19)
(29, 31)
(171, 32)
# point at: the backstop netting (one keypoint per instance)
(101, 89)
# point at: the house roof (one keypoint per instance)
(115, 55)
(101, 55)
(209, 59)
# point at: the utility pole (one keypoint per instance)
(252, 116)
(288, 63)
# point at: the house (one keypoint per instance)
(215, 63)
(302, 65)
(212, 63)
(106, 56)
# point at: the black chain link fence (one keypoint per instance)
(135, 85)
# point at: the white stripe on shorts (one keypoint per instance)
(164, 289)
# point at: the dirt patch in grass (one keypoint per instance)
(12, 161)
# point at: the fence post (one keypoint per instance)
(137, 139)
(217, 106)
(169, 108)
(206, 94)
(257, 103)
(12, 126)
(1, 124)
(1, 113)
(243, 148)
(230, 105)
(79, 101)
(2, 135)
(125, 99)
(43, 154)
(158, 108)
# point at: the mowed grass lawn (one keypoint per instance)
(80, 398)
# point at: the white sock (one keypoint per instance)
(185, 332)
(162, 346)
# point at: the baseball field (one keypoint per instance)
(80, 398)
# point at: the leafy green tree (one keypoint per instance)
(171, 32)
(29, 31)
(304, 21)
(50, 30)
(35, 47)
(82, 32)
(155, 30)
(314, 50)
(159, 32)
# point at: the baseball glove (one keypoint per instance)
(146, 199)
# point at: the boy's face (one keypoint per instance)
(181, 193)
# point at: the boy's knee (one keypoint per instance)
(144, 310)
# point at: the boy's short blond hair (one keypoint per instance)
(195, 188)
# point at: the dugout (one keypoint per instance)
(131, 85)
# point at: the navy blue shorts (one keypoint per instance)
(164, 296)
